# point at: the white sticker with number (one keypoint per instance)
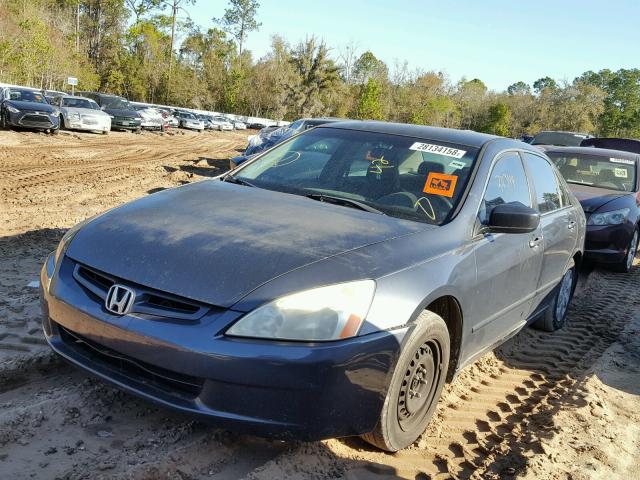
(620, 172)
(622, 160)
(439, 149)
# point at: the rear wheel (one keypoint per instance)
(632, 249)
(555, 316)
(415, 387)
(62, 125)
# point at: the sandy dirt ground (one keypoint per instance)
(542, 406)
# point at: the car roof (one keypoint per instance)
(600, 152)
(451, 135)
(76, 96)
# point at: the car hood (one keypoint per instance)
(592, 198)
(32, 106)
(117, 112)
(215, 242)
(85, 111)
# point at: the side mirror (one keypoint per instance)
(513, 218)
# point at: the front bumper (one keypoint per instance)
(126, 124)
(608, 244)
(88, 124)
(284, 389)
(34, 120)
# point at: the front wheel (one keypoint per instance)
(632, 249)
(555, 316)
(3, 120)
(415, 387)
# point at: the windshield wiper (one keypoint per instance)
(347, 202)
(237, 181)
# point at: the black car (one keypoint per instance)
(123, 115)
(559, 138)
(354, 270)
(606, 183)
(23, 107)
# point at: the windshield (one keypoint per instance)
(26, 96)
(596, 170)
(561, 139)
(116, 103)
(404, 177)
(80, 103)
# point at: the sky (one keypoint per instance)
(497, 41)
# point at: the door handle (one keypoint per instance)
(534, 242)
(571, 225)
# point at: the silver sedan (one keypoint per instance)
(80, 113)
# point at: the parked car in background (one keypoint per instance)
(270, 136)
(123, 115)
(206, 121)
(237, 124)
(624, 144)
(558, 138)
(23, 107)
(222, 123)
(151, 118)
(257, 125)
(189, 120)
(170, 119)
(81, 113)
(606, 183)
(354, 269)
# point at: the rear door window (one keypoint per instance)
(545, 183)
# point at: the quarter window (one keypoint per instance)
(507, 184)
(545, 183)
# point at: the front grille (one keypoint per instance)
(126, 119)
(36, 120)
(89, 120)
(148, 302)
(172, 383)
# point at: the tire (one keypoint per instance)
(62, 125)
(632, 249)
(415, 386)
(105, 132)
(555, 316)
(55, 131)
(3, 120)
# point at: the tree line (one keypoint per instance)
(151, 51)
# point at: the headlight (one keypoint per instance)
(325, 313)
(614, 217)
(74, 116)
(13, 109)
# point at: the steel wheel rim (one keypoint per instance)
(419, 385)
(631, 254)
(564, 295)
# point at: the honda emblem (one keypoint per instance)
(119, 299)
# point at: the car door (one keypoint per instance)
(508, 264)
(558, 221)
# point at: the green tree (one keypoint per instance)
(239, 20)
(368, 66)
(519, 88)
(316, 75)
(499, 120)
(544, 83)
(369, 101)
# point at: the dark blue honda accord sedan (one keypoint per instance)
(328, 287)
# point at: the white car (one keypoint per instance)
(238, 125)
(222, 123)
(189, 120)
(80, 113)
(152, 119)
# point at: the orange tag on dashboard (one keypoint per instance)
(440, 184)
